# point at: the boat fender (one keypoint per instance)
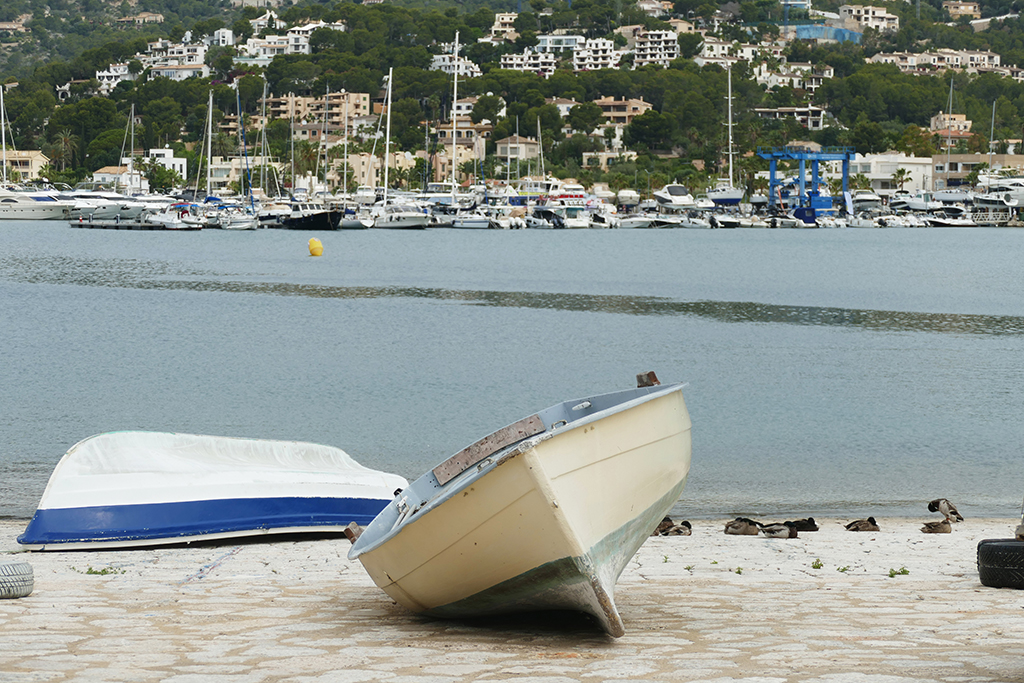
(316, 248)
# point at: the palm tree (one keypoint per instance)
(67, 143)
(859, 182)
(900, 177)
(222, 145)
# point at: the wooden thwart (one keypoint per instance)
(471, 455)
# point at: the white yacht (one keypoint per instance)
(16, 205)
(674, 197)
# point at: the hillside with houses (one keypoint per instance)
(621, 96)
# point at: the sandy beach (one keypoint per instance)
(707, 607)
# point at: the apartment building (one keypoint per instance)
(449, 63)
(504, 28)
(542, 63)
(621, 112)
(811, 117)
(595, 54)
(957, 9)
(655, 47)
(860, 17)
(111, 76)
(559, 43)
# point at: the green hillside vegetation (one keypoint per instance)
(876, 108)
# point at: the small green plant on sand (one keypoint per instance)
(688, 567)
(739, 570)
(665, 561)
(100, 572)
(714, 561)
(844, 569)
(816, 564)
(902, 571)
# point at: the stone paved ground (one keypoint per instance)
(708, 607)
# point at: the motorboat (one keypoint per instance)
(506, 216)
(674, 197)
(902, 200)
(628, 198)
(470, 219)
(635, 221)
(179, 216)
(308, 215)
(396, 216)
(865, 200)
(543, 514)
(953, 195)
(952, 216)
(32, 206)
(154, 488)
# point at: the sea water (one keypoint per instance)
(829, 372)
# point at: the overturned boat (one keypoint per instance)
(153, 488)
(543, 514)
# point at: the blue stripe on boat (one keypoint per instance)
(154, 521)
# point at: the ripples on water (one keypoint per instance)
(404, 350)
(149, 275)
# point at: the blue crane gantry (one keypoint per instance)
(808, 199)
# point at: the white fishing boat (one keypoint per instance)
(152, 488)
(542, 514)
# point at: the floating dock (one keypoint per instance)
(127, 225)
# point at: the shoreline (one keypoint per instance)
(705, 607)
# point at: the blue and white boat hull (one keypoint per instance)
(150, 488)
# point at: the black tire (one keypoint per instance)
(1001, 563)
(16, 580)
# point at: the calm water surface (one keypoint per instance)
(839, 372)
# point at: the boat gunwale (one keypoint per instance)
(441, 493)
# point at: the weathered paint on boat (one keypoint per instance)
(548, 522)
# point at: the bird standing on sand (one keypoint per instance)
(784, 530)
(741, 526)
(947, 509)
(940, 527)
(868, 524)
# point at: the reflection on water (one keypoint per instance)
(159, 275)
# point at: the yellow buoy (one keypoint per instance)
(316, 248)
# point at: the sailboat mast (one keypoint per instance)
(291, 134)
(519, 152)
(344, 171)
(131, 154)
(991, 141)
(455, 101)
(949, 127)
(387, 135)
(730, 124)
(323, 140)
(209, 142)
(3, 131)
(540, 146)
(263, 143)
